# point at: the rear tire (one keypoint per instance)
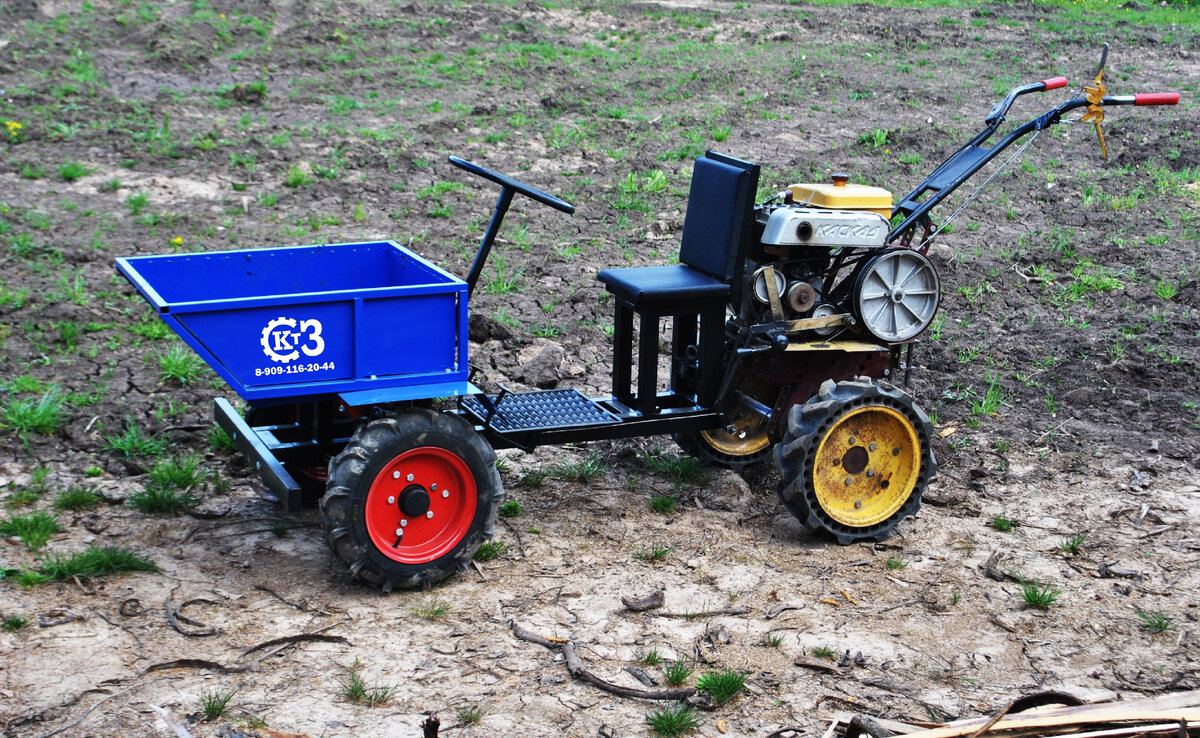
(855, 459)
(426, 476)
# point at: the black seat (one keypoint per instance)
(718, 223)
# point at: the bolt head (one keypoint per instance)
(895, 452)
(391, 500)
(409, 478)
(849, 481)
(395, 475)
(429, 514)
(853, 440)
(870, 472)
(871, 447)
(433, 487)
(858, 504)
(399, 532)
(403, 523)
(445, 493)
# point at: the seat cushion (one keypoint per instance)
(656, 285)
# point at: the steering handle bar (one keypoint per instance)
(510, 183)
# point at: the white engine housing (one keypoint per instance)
(797, 225)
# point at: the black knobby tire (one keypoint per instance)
(364, 464)
(695, 444)
(828, 416)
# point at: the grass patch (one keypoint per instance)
(356, 689)
(34, 529)
(469, 715)
(682, 471)
(1154, 622)
(824, 652)
(672, 720)
(580, 472)
(489, 550)
(1039, 596)
(1073, 544)
(215, 704)
(167, 489)
(135, 442)
(220, 441)
(650, 658)
(656, 552)
(94, 561)
(664, 504)
(178, 364)
(677, 673)
(1003, 524)
(44, 416)
(431, 610)
(73, 170)
(13, 623)
(721, 685)
(510, 508)
(896, 562)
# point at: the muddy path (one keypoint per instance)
(1070, 298)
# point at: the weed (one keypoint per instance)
(73, 170)
(31, 171)
(1073, 544)
(135, 442)
(44, 415)
(774, 640)
(356, 690)
(431, 610)
(214, 704)
(1166, 289)
(95, 561)
(896, 562)
(824, 652)
(1154, 622)
(721, 685)
(180, 472)
(580, 472)
(664, 504)
(469, 715)
(672, 721)
(268, 199)
(220, 441)
(990, 402)
(677, 673)
(683, 471)
(136, 203)
(656, 552)
(279, 527)
(76, 498)
(296, 177)
(650, 658)
(13, 623)
(179, 364)
(34, 529)
(489, 550)
(1041, 596)
(159, 500)
(510, 508)
(1003, 524)
(504, 281)
(535, 478)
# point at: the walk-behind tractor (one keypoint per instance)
(790, 323)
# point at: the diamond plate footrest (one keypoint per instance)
(539, 410)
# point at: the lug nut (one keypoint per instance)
(395, 475)
(858, 504)
(399, 532)
(849, 481)
(391, 500)
(445, 493)
(871, 447)
(870, 472)
(433, 487)
(853, 440)
(429, 514)
(895, 452)
(409, 477)
(403, 523)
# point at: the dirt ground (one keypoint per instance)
(1070, 291)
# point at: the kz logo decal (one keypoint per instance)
(283, 340)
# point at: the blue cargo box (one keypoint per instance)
(366, 321)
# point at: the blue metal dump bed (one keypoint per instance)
(369, 320)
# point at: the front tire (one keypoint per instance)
(410, 499)
(855, 459)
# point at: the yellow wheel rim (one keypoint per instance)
(866, 466)
(749, 434)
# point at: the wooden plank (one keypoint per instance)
(1081, 716)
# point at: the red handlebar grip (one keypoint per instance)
(1156, 98)
(1055, 82)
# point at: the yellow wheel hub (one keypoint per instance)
(749, 436)
(866, 466)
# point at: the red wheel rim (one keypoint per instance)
(420, 505)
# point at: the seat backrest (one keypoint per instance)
(720, 215)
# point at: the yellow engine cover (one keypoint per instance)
(841, 195)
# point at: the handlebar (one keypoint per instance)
(513, 184)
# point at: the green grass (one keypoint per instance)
(13, 623)
(1155, 622)
(824, 652)
(356, 689)
(721, 685)
(677, 673)
(44, 416)
(431, 610)
(178, 364)
(1039, 596)
(650, 658)
(673, 720)
(510, 508)
(469, 715)
(682, 471)
(220, 441)
(656, 552)
(296, 177)
(580, 472)
(34, 529)
(1003, 524)
(73, 170)
(215, 704)
(134, 442)
(896, 562)
(664, 504)
(167, 490)
(1072, 544)
(94, 561)
(489, 550)
(136, 203)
